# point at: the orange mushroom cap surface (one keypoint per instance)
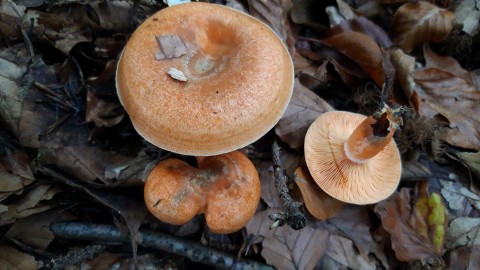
(225, 187)
(239, 79)
(361, 181)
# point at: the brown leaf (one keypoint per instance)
(318, 203)
(34, 230)
(404, 68)
(455, 99)
(365, 26)
(465, 257)
(342, 254)
(275, 14)
(10, 183)
(450, 65)
(286, 248)
(413, 237)
(420, 21)
(471, 160)
(362, 50)
(353, 222)
(304, 107)
(13, 259)
(102, 112)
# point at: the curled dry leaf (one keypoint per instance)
(362, 50)
(318, 203)
(418, 22)
(471, 160)
(404, 68)
(304, 107)
(417, 233)
(102, 112)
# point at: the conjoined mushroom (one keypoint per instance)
(203, 79)
(353, 157)
(224, 187)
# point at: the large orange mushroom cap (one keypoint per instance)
(239, 80)
(354, 179)
(225, 187)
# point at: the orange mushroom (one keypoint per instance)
(225, 187)
(353, 157)
(204, 79)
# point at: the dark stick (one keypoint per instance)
(157, 240)
(291, 214)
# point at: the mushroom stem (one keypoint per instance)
(372, 135)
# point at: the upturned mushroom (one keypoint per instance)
(204, 79)
(225, 187)
(353, 157)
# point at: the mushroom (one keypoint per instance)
(231, 79)
(353, 157)
(225, 187)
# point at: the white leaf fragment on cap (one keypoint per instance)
(177, 74)
(170, 47)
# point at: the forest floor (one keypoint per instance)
(72, 167)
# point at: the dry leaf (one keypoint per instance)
(420, 21)
(471, 160)
(365, 26)
(463, 231)
(417, 233)
(286, 248)
(456, 100)
(404, 68)
(342, 254)
(450, 65)
(318, 203)
(463, 258)
(467, 13)
(458, 197)
(170, 47)
(34, 230)
(414, 170)
(304, 107)
(12, 259)
(362, 50)
(102, 112)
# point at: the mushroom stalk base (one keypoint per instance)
(371, 136)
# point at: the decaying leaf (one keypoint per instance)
(304, 107)
(463, 231)
(420, 21)
(417, 233)
(286, 248)
(362, 50)
(12, 259)
(318, 203)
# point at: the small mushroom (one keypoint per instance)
(353, 157)
(237, 79)
(225, 187)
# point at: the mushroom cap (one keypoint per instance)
(357, 183)
(225, 187)
(239, 80)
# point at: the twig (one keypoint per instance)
(291, 214)
(76, 256)
(151, 239)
